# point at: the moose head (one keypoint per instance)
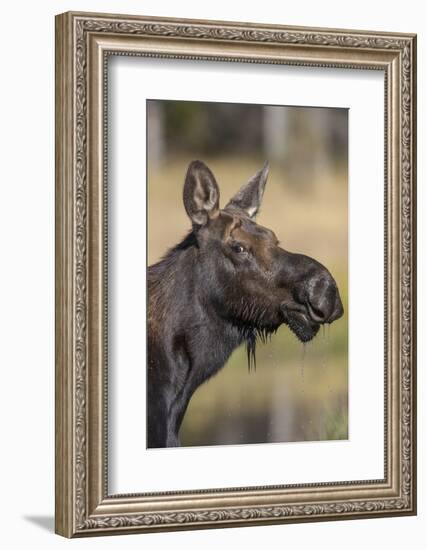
(254, 282)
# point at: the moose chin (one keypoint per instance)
(227, 283)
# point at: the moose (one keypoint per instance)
(227, 283)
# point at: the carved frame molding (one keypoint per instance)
(83, 43)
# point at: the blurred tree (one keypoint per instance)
(155, 137)
(305, 141)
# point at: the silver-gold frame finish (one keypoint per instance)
(84, 41)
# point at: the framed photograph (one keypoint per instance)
(235, 274)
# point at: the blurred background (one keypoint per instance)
(298, 392)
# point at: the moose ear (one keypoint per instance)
(249, 197)
(201, 193)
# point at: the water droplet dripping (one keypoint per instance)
(302, 366)
(323, 350)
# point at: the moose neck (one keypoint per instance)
(189, 341)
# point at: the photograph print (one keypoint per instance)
(247, 274)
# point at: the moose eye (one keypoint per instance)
(238, 248)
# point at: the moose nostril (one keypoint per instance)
(338, 310)
(324, 303)
(316, 313)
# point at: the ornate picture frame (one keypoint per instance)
(84, 42)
